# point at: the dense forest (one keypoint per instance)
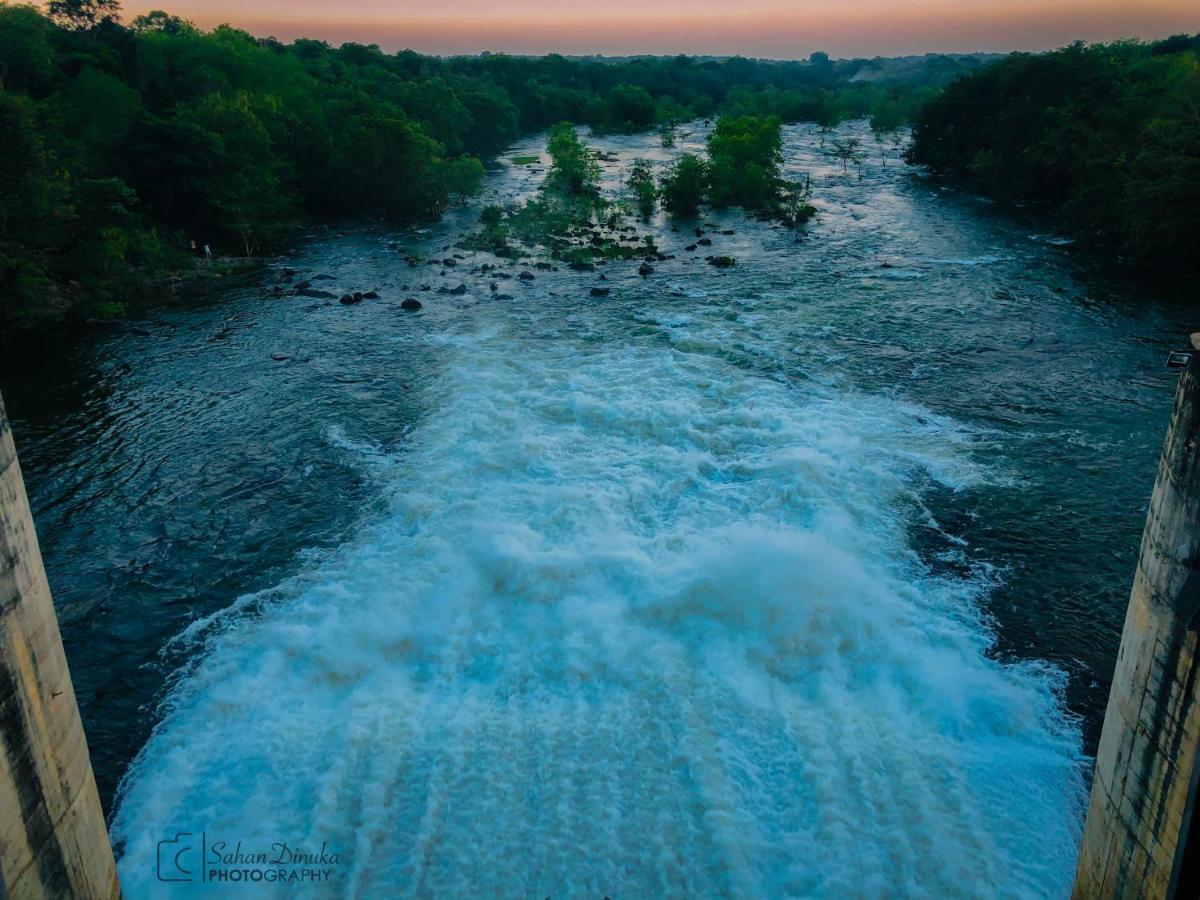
(1105, 138)
(124, 143)
(129, 148)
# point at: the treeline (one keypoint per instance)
(1105, 137)
(124, 144)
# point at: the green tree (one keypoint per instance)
(846, 151)
(631, 108)
(157, 20)
(745, 154)
(685, 185)
(83, 15)
(27, 55)
(31, 198)
(641, 185)
(464, 177)
(573, 168)
(1105, 139)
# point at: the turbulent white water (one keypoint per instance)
(637, 622)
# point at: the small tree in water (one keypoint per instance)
(886, 122)
(847, 151)
(463, 178)
(796, 206)
(745, 154)
(642, 187)
(573, 169)
(684, 185)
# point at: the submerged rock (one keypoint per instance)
(722, 262)
(350, 299)
(690, 247)
(600, 291)
(410, 303)
(704, 242)
(526, 276)
(645, 269)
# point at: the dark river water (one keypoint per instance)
(801, 578)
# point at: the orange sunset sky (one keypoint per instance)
(768, 28)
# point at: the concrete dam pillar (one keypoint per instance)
(1137, 841)
(53, 839)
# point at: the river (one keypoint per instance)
(799, 578)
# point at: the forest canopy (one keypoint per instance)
(124, 143)
(1104, 137)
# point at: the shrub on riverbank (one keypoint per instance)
(1105, 138)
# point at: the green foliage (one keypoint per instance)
(463, 178)
(83, 15)
(123, 144)
(642, 187)
(157, 20)
(847, 151)
(631, 108)
(744, 158)
(27, 54)
(493, 232)
(1106, 138)
(573, 167)
(795, 205)
(685, 185)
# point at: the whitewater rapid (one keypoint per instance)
(639, 620)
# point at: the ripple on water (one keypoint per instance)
(637, 622)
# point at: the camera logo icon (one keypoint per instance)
(174, 858)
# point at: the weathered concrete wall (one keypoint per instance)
(1145, 780)
(53, 840)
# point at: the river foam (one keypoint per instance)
(638, 621)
